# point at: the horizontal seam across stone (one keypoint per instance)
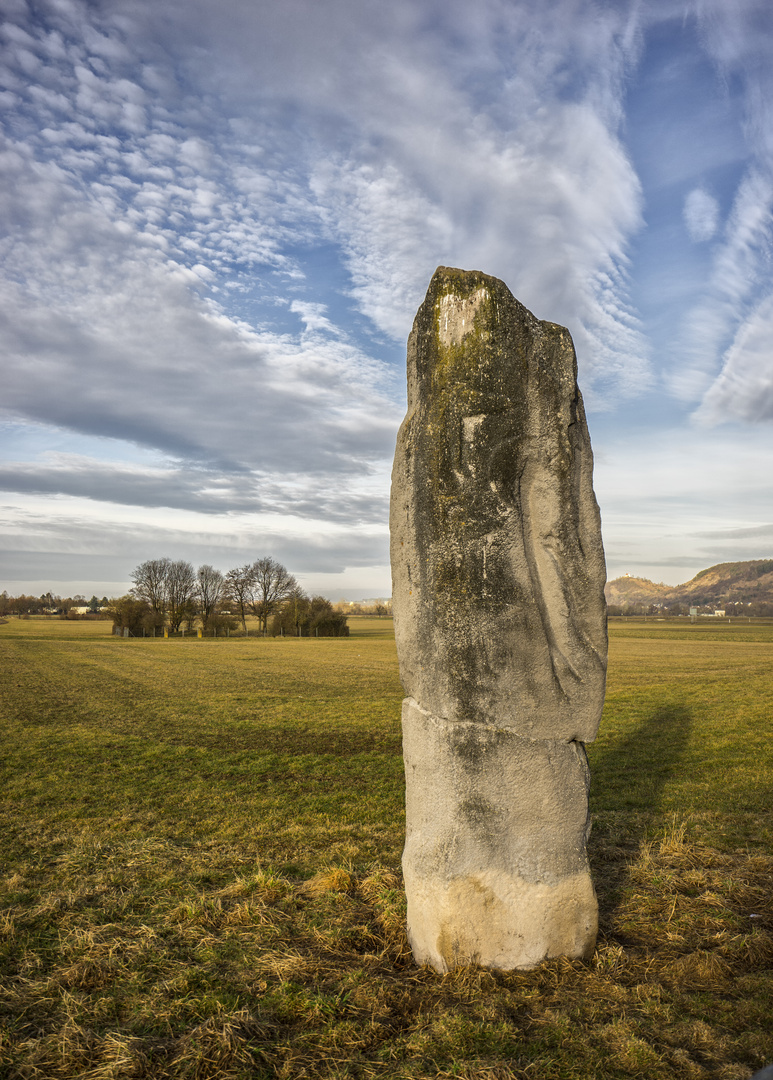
(482, 725)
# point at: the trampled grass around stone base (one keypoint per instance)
(200, 868)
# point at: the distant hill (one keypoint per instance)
(721, 586)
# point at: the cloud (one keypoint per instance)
(207, 491)
(132, 208)
(744, 388)
(763, 533)
(701, 215)
(739, 279)
(66, 539)
(313, 317)
(682, 498)
(548, 209)
(103, 334)
(725, 366)
(485, 139)
(737, 35)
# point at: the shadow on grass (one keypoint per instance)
(630, 770)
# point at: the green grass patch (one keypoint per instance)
(199, 868)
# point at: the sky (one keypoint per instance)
(219, 220)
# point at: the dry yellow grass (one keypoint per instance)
(200, 871)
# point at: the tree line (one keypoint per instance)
(755, 609)
(49, 604)
(170, 594)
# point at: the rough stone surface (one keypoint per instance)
(498, 596)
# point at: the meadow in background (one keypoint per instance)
(200, 867)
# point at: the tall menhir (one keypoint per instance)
(498, 596)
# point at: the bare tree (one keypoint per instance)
(181, 588)
(211, 588)
(240, 587)
(273, 583)
(293, 610)
(150, 583)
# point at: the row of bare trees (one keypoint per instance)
(176, 593)
(171, 590)
(169, 593)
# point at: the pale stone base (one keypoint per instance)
(496, 920)
(495, 867)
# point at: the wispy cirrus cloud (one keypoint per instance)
(738, 279)
(728, 370)
(744, 388)
(701, 215)
(487, 139)
(727, 328)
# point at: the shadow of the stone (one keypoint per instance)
(630, 771)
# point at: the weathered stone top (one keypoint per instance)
(498, 567)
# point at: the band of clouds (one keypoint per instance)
(203, 491)
(165, 159)
(140, 192)
(111, 338)
(33, 543)
(683, 503)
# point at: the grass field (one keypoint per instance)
(200, 862)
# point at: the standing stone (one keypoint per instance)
(498, 597)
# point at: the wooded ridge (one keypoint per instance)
(726, 585)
